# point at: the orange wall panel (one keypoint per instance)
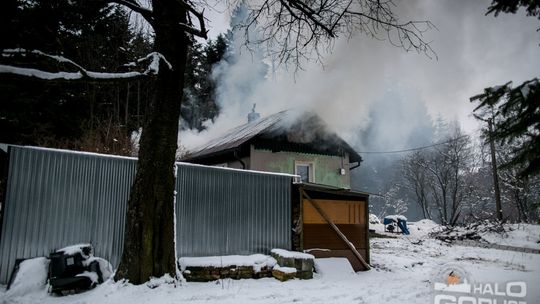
(341, 212)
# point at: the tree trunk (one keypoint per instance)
(149, 232)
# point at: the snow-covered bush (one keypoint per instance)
(373, 219)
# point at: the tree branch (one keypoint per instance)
(308, 12)
(80, 73)
(188, 28)
(147, 14)
(298, 30)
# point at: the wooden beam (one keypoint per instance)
(336, 229)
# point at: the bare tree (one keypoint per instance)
(391, 200)
(448, 166)
(439, 177)
(478, 205)
(291, 29)
(416, 176)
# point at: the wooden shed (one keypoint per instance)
(331, 222)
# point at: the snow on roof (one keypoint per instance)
(275, 123)
(240, 135)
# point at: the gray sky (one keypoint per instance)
(474, 51)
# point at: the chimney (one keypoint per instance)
(253, 115)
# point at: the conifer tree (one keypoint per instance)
(516, 120)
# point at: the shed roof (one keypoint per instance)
(331, 190)
(297, 127)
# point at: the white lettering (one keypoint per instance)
(448, 299)
(477, 288)
(497, 291)
(520, 285)
(467, 300)
(484, 301)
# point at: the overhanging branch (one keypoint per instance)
(298, 30)
(188, 28)
(309, 13)
(147, 14)
(78, 72)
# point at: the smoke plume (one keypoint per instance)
(380, 97)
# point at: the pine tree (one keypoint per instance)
(87, 116)
(516, 119)
(200, 102)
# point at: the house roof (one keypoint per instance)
(300, 128)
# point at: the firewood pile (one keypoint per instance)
(471, 232)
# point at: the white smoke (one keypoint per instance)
(474, 51)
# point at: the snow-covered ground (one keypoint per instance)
(517, 235)
(403, 271)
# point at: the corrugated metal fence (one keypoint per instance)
(57, 198)
(221, 212)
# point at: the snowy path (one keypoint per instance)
(402, 274)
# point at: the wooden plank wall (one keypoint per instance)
(351, 219)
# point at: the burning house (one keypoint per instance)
(329, 220)
(286, 142)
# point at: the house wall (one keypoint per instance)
(235, 164)
(326, 166)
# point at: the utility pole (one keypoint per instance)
(494, 171)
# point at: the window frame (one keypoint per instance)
(311, 169)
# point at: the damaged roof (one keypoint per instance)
(279, 131)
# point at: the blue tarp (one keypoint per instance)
(388, 221)
(402, 224)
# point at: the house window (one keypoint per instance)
(305, 170)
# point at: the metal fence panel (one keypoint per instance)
(57, 198)
(221, 212)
